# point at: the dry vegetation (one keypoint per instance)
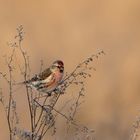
(44, 110)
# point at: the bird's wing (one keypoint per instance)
(49, 80)
(33, 79)
(40, 77)
(46, 73)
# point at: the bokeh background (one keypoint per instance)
(72, 30)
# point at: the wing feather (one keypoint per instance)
(46, 73)
(42, 76)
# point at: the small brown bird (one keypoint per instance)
(49, 79)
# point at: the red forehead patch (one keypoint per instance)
(60, 62)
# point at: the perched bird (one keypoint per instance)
(49, 79)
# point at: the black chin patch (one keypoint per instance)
(61, 70)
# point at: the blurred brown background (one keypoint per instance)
(71, 30)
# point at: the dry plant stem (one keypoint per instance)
(52, 108)
(44, 109)
(27, 90)
(9, 106)
(40, 112)
(71, 78)
(71, 120)
(32, 107)
(42, 121)
(43, 129)
(42, 116)
(76, 104)
(136, 127)
(4, 76)
(43, 134)
(10, 92)
(57, 97)
(38, 98)
(66, 78)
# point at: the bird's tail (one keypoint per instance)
(21, 83)
(18, 86)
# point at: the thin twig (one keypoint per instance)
(40, 112)
(20, 38)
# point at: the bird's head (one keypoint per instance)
(58, 64)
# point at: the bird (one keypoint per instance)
(48, 80)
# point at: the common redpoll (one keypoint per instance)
(49, 79)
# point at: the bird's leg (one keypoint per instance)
(57, 91)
